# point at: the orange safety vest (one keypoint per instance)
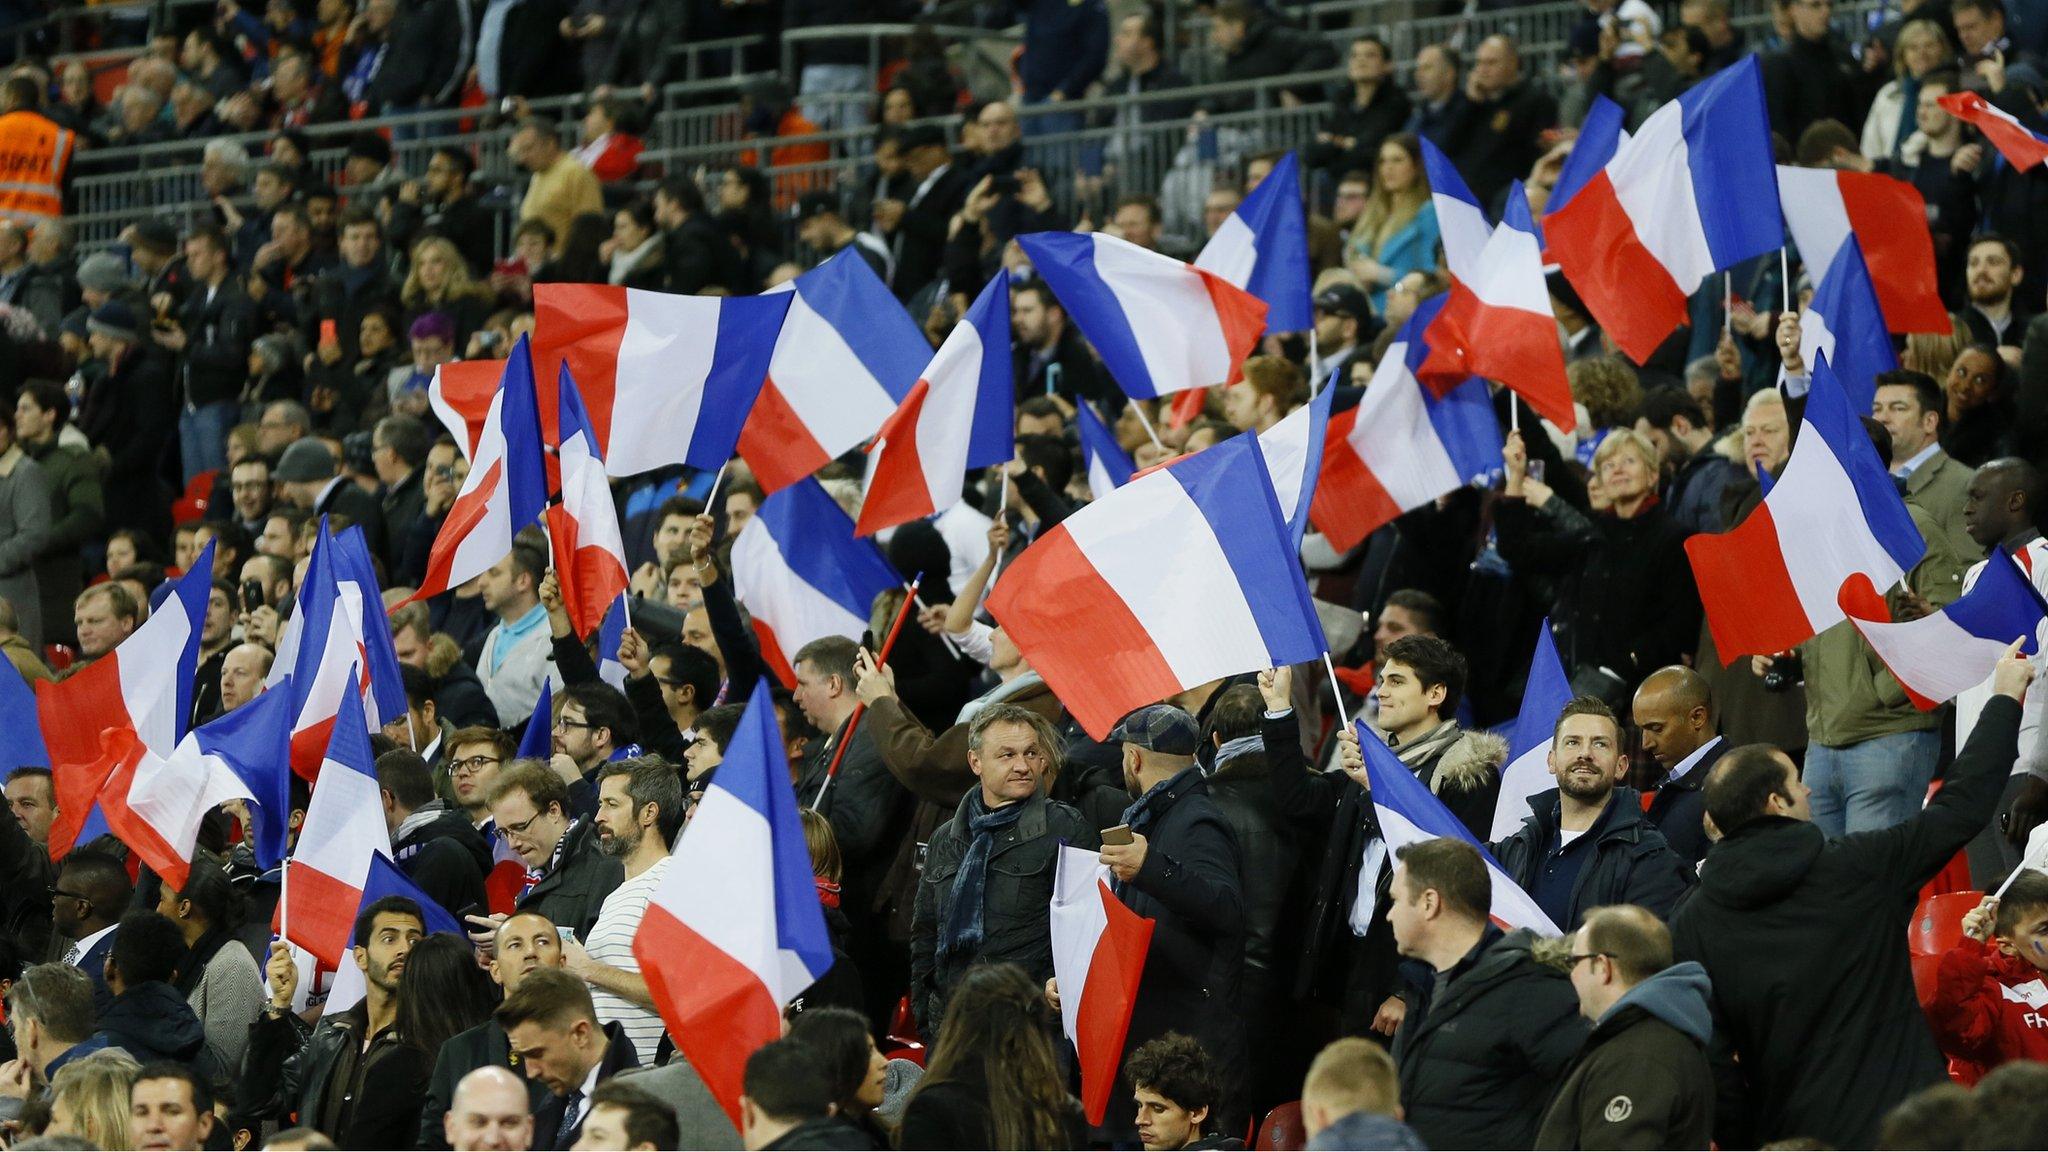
(35, 154)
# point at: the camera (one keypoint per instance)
(1786, 672)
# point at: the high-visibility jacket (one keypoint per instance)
(35, 154)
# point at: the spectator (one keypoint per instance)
(346, 293)
(568, 875)
(32, 798)
(516, 659)
(398, 450)
(562, 188)
(1439, 101)
(624, 1114)
(213, 335)
(490, 1109)
(826, 233)
(1726, 43)
(170, 1106)
(311, 479)
(992, 1080)
(1830, 1061)
(697, 253)
(749, 216)
(639, 814)
(1050, 356)
(146, 1017)
(439, 283)
(523, 943)
(1507, 115)
(786, 1101)
(218, 976)
(637, 254)
(554, 1032)
(1269, 388)
(42, 414)
(1345, 327)
(24, 531)
(1989, 54)
(1980, 1018)
(1397, 232)
(610, 152)
(1921, 49)
(1982, 414)
(127, 415)
(1993, 271)
(50, 1014)
(520, 52)
(1480, 1085)
(105, 615)
(1352, 1099)
(436, 847)
(442, 204)
(1256, 45)
(89, 1099)
(940, 190)
(1066, 45)
(1175, 1090)
(1813, 76)
(1700, 476)
(90, 893)
(1674, 712)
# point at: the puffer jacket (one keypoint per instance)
(1642, 1080)
(1987, 1009)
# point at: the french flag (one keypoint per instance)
(1262, 247)
(536, 740)
(846, 356)
(1599, 135)
(321, 660)
(2021, 146)
(1497, 322)
(21, 731)
(344, 827)
(1460, 221)
(735, 931)
(1825, 208)
(143, 686)
(583, 530)
(1183, 576)
(959, 415)
(1544, 695)
(1844, 326)
(1772, 580)
(1946, 653)
(460, 397)
(1403, 446)
(609, 634)
(385, 879)
(507, 485)
(155, 803)
(1294, 459)
(1409, 814)
(1159, 325)
(1098, 957)
(1694, 191)
(666, 379)
(1108, 467)
(803, 574)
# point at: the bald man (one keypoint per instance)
(490, 1111)
(1675, 710)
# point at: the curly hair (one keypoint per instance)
(1607, 386)
(1177, 1067)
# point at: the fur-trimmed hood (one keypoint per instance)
(1474, 761)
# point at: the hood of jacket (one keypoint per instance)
(1363, 1129)
(153, 1017)
(1761, 863)
(1472, 762)
(1677, 996)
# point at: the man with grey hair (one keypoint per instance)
(986, 892)
(50, 1014)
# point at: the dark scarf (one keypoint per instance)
(193, 968)
(970, 886)
(1156, 802)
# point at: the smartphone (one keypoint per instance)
(328, 334)
(252, 595)
(568, 935)
(1121, 834)
(1003, 184)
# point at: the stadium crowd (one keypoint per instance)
(1734, 852)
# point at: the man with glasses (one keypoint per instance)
(86, 902)
(249, 484)
(567, 873)
(442, 205)
(593, 727)
(1642, 1080)
(474, 756)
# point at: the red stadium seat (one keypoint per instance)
(191, 507)
(1925, 969)
(58, 656)
(1282, 1131)
(1938, 922)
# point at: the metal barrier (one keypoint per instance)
(874, 35)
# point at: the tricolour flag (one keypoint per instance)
(1108, 467)
(21, 730)
(1950, 651)
(1262, 247)
(1599, 135)
(321, 657)
(583, 530)
(344, 827)
(506, 489)
(1403, 446)
(536, 740)
(959, 415)
(803, 575)
(460, 397)
(845, 357)
(1691, 193)
(609, 633)
(386, 879)
(1459, 218)
(2021, 146)
(1844, 326)
(1408, 814)
(1825, 207)
(1496, 322)
(735, 931)
(1544, 694)
(1159, 325)
(1294, 459)
(1098, 957)
(355, 576)
(666, 379)
(1182, 576)
(1773, 580)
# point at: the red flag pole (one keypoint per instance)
(859, 710)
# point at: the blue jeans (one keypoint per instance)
(203, 436)
(1878, 783)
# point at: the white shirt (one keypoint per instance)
(84, 946)
(1693, 761)
(611, 942)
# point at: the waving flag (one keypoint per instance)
(2021, 146)
(1180, 577)
(583, 530)
(1109, 468)
(1544, 695)
(959, 415)
(1160, 326)
(846, 356)
(1824, 208)
(666, 379)
(1497, 323)
(355, 575)
(1294, 459)
(536, 740)
(1599, 135)
(1098, 956)
(1844, 326)
(803, 574)
(143, 686)
(1773, 580)
(1693, 192)
(1402, 447)
(1409, 814)
(460, 397)
(1939, 656)
(344, 827)
(21, 730)
(1262, 247)
(735, 930)
(506, 488)
(1459, 218)
(323, 659)
(609, 634)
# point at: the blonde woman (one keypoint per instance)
(1935, 352)
(89, 1099)
(439, 282)
(1922, 48)
(1397, 232)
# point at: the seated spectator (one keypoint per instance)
(1397, 232)
(1507, 114)
(603, 145)
(1352, 1099)
(562, 188)
(858, 1071)
(439, 283)
(1176, 1091)
(636, 252)
(992, 1080)
(1980, 1018)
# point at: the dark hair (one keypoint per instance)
(1429, 609)
(2012, 1108)
(357, 218)
(786, 1080)
(642, 212)
(1239, 711)
(406, 437)
(829, 656)
(1149, 203)
(442, 993)
(840, 1039)
(1039, 407)
(104, 878)
(147, 947)
(421, 688)
(202, 1092)
(2012, 250)
(406, 776)
(50, 397)
(1935, 1117)
(1177, 1067)
(651, 780)
(2026, 892)
(718, 724)
(649, 1119)
(1926, 392)
(996, 1036)
(1585, 706)
(500, 741)
(366, 920)
(211, 894)
(535, 226)
(1050, 455)
(1740, 785)
(536, 780)
(1986, 7)
(1454, 870)
(1039, 289)
(549, 996)
(1663, 405)
(691, 667)
(1435, 663)
(603, 707)
(683, 191)
(529, 560)
(459, 157)
(32, 770)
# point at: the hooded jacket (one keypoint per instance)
(151, 1021)
(1642, 1080)
(1987, 1008)
(1631, 862)
(1813, 996)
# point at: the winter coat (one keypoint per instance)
(869, 813)
(219, 326)
(573, 892)
(78, 511)
(290, 1073)
(24, 529)
(1631, 862)
(1271, 857)
(1813, 995)
(484, 1046)
(1809, 80)
(448, 858)
(152, 1021)
(1484, 1044)
(1503, 138)
(1271, 48)
(1066, 44)
(1642, 1080)
(1987, 1008)
(432, 43)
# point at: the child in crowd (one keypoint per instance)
(1991, 1002)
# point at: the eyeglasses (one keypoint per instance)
(57, 893)
(470, 764)
(1576, 958)
(507, 831)
(563, 722)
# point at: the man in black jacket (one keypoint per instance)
(1256, 45)
(427, 54)
(435, 845)
(213, 333)
(398, 451)
(1674, 709)
(346, 292)
(940, 190)
(1813, 996)
(312, 480)
(523, 944)
(1586, 842)
(1506, 116)
(1491, 1029)
(441, 204)
(1813, 77)
(553, 1029)
(148, 1018)
(530, 806)
(696, 252)
(1050, 355)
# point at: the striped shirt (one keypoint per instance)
(611, 942)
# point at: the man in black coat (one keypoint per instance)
(398, 451)
(427, 56)
(1674, 709)
(312, 480)
(1819, 1028)
(554, 1032)
(346, 292)
(1048, 354)
(1586, 843)
(524, 943)
(435, 845)
(1490, 1029)
(1256, 45)
(1505, 118)
(442, 205)
(940, 190)
(213, 332)
(1813, 77)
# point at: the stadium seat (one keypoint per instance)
(191, 507)
(1281, 1131)
(1938, 922)
(58, 656)
(1925, 969)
